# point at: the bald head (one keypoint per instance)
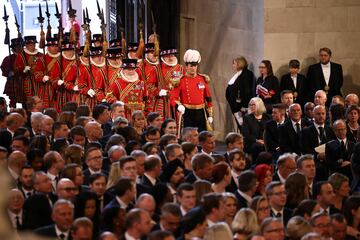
(14, 121)
(16, 161)
(147, 203)
(108, 236)
(93, 131)
(66, 189)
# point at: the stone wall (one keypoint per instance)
(222, 30)
(298, 28)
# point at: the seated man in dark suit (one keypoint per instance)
(63, 215)
(97, 185)
(202, 165)
(295, 82)
(289, 132)
(101, 115)
(247, 188)
(94, 160)
(14, 211)
(285, 165)
(323, 193)
(207, 142)
(315, 135)
(271, 133)
(239, 161)
(152, 168)
(338, 152)
(25, 182)
(275, 192)
(124, 190)
(165, 140)
(40, 202)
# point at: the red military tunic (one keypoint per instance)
(170, 78)
(132, 92)
(69, 75)
(113, 73)
(32, 80)
(13, 86)
(53, 71)
(86, 82)
(194, 94)
(99, 72)
(152, 78)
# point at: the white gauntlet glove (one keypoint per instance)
(26, 69)
(45, 79)
(181, 109)
(76, 88)
(210, 120)
(60, 82)
(163, 93)
(91, 92)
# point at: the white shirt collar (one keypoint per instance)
(344, 140)
(209, 222)
(128, 237)
(13, 173)
(236, 75)
(276, 212)
(93, 172)
(235, 177)
(183, 211)
(122, 204)
(325, 65)
(152, 180)
(58, 232)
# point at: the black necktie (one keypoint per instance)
(321, 135)
(28, 194)
(278, 215)
(297, 125)
(18, 225)
(343, 148)
(62, 236)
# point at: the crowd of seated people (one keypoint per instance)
(91, 174)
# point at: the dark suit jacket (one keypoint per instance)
(87, 174)
(316, 80)
(309, 139)
(271, 137)
(355, 167)
(333, 154)
(190, 178)
(287, 213)
(115, 203)
(34, 205)
(241, 201)
(146, 181)
(288, 139)
(49, 231)
(287, 83)
(243, 89)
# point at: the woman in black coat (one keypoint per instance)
(241, 87)
(267, 85)
(253, 127)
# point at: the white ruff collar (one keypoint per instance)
(152, 63)
(53, 55)
(30, 53)
(168, 64)
(113, 65)
(129, 78)
(97, 65)
(67, 58)
(83, 63)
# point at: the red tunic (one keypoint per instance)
(152, 78)
(191, 92)
(170, 78)
(53, 71)
(32, 80)
(13, 86)
(85, 83)
(69, 75)
(133, 94)
(101, 80)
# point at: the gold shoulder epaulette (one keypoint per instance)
(207, 77)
